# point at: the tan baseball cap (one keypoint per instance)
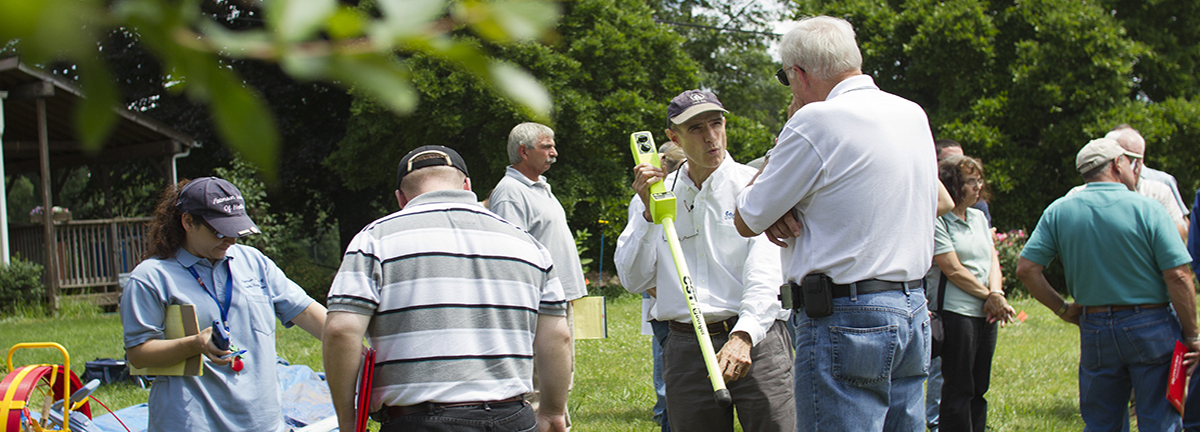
(1098, 152)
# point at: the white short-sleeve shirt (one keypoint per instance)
(859, 171)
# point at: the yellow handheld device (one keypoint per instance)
(662, 201)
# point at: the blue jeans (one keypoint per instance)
(864, 367)
(661, 331)
(933, 394)
(506, 417)
(1127, 351)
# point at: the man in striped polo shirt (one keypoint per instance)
(455, 300)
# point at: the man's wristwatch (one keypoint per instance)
(1062, 310)
(1192, 338)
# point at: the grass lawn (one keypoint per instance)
(1033, 377)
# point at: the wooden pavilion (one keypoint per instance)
(37, 128)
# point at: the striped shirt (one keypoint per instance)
(453, 292)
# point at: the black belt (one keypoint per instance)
(868, 286)
(716, 328)
(872, 286)
(387, 413)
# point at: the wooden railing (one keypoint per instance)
(91, 254)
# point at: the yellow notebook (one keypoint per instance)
(180, 322)
(591, 318)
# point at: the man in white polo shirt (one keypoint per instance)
(853, 180)
(736, 282)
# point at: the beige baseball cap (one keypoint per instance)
(1098, 152)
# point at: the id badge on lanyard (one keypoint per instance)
(221, 334)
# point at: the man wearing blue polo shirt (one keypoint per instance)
(1124, 263)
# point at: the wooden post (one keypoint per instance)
(52, 281)
(114, 256)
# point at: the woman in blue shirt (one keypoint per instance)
(193, 259)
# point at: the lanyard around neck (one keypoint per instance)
(228, 291)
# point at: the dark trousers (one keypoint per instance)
(764, 398)
(1191, 406)
(504, 417)
(967, 369)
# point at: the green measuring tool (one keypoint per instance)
(662, 211)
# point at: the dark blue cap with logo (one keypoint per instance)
(692, 102)
(220, 203)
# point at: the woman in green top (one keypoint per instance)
(965, 255)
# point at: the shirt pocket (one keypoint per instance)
(262, 314)
(729, 248)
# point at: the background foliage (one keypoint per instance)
(20, 284)
(309, 39)
(1021, 84)
(611, 71)
(1024, 85)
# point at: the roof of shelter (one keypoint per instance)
(135, 136)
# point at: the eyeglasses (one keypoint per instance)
(210, 227)
(974, 182)
(782, 76)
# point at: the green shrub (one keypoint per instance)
(581, 241)
(1008, 246)
(612, 291)
(20, 284)
(314, 278)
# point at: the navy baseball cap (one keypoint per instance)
(219, 203)
(692, 102)
(442, 156)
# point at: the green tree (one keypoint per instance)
(730, 41)
(611, 72)
(1024, 85)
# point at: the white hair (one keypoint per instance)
(823, 46)
(526, 134)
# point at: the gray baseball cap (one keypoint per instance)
(219, 203)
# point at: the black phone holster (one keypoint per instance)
(814, 294)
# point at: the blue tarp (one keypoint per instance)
(305, 401)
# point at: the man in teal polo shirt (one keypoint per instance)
(1124, 263)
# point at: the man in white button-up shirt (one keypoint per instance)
(854, 166)
(736, 279)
